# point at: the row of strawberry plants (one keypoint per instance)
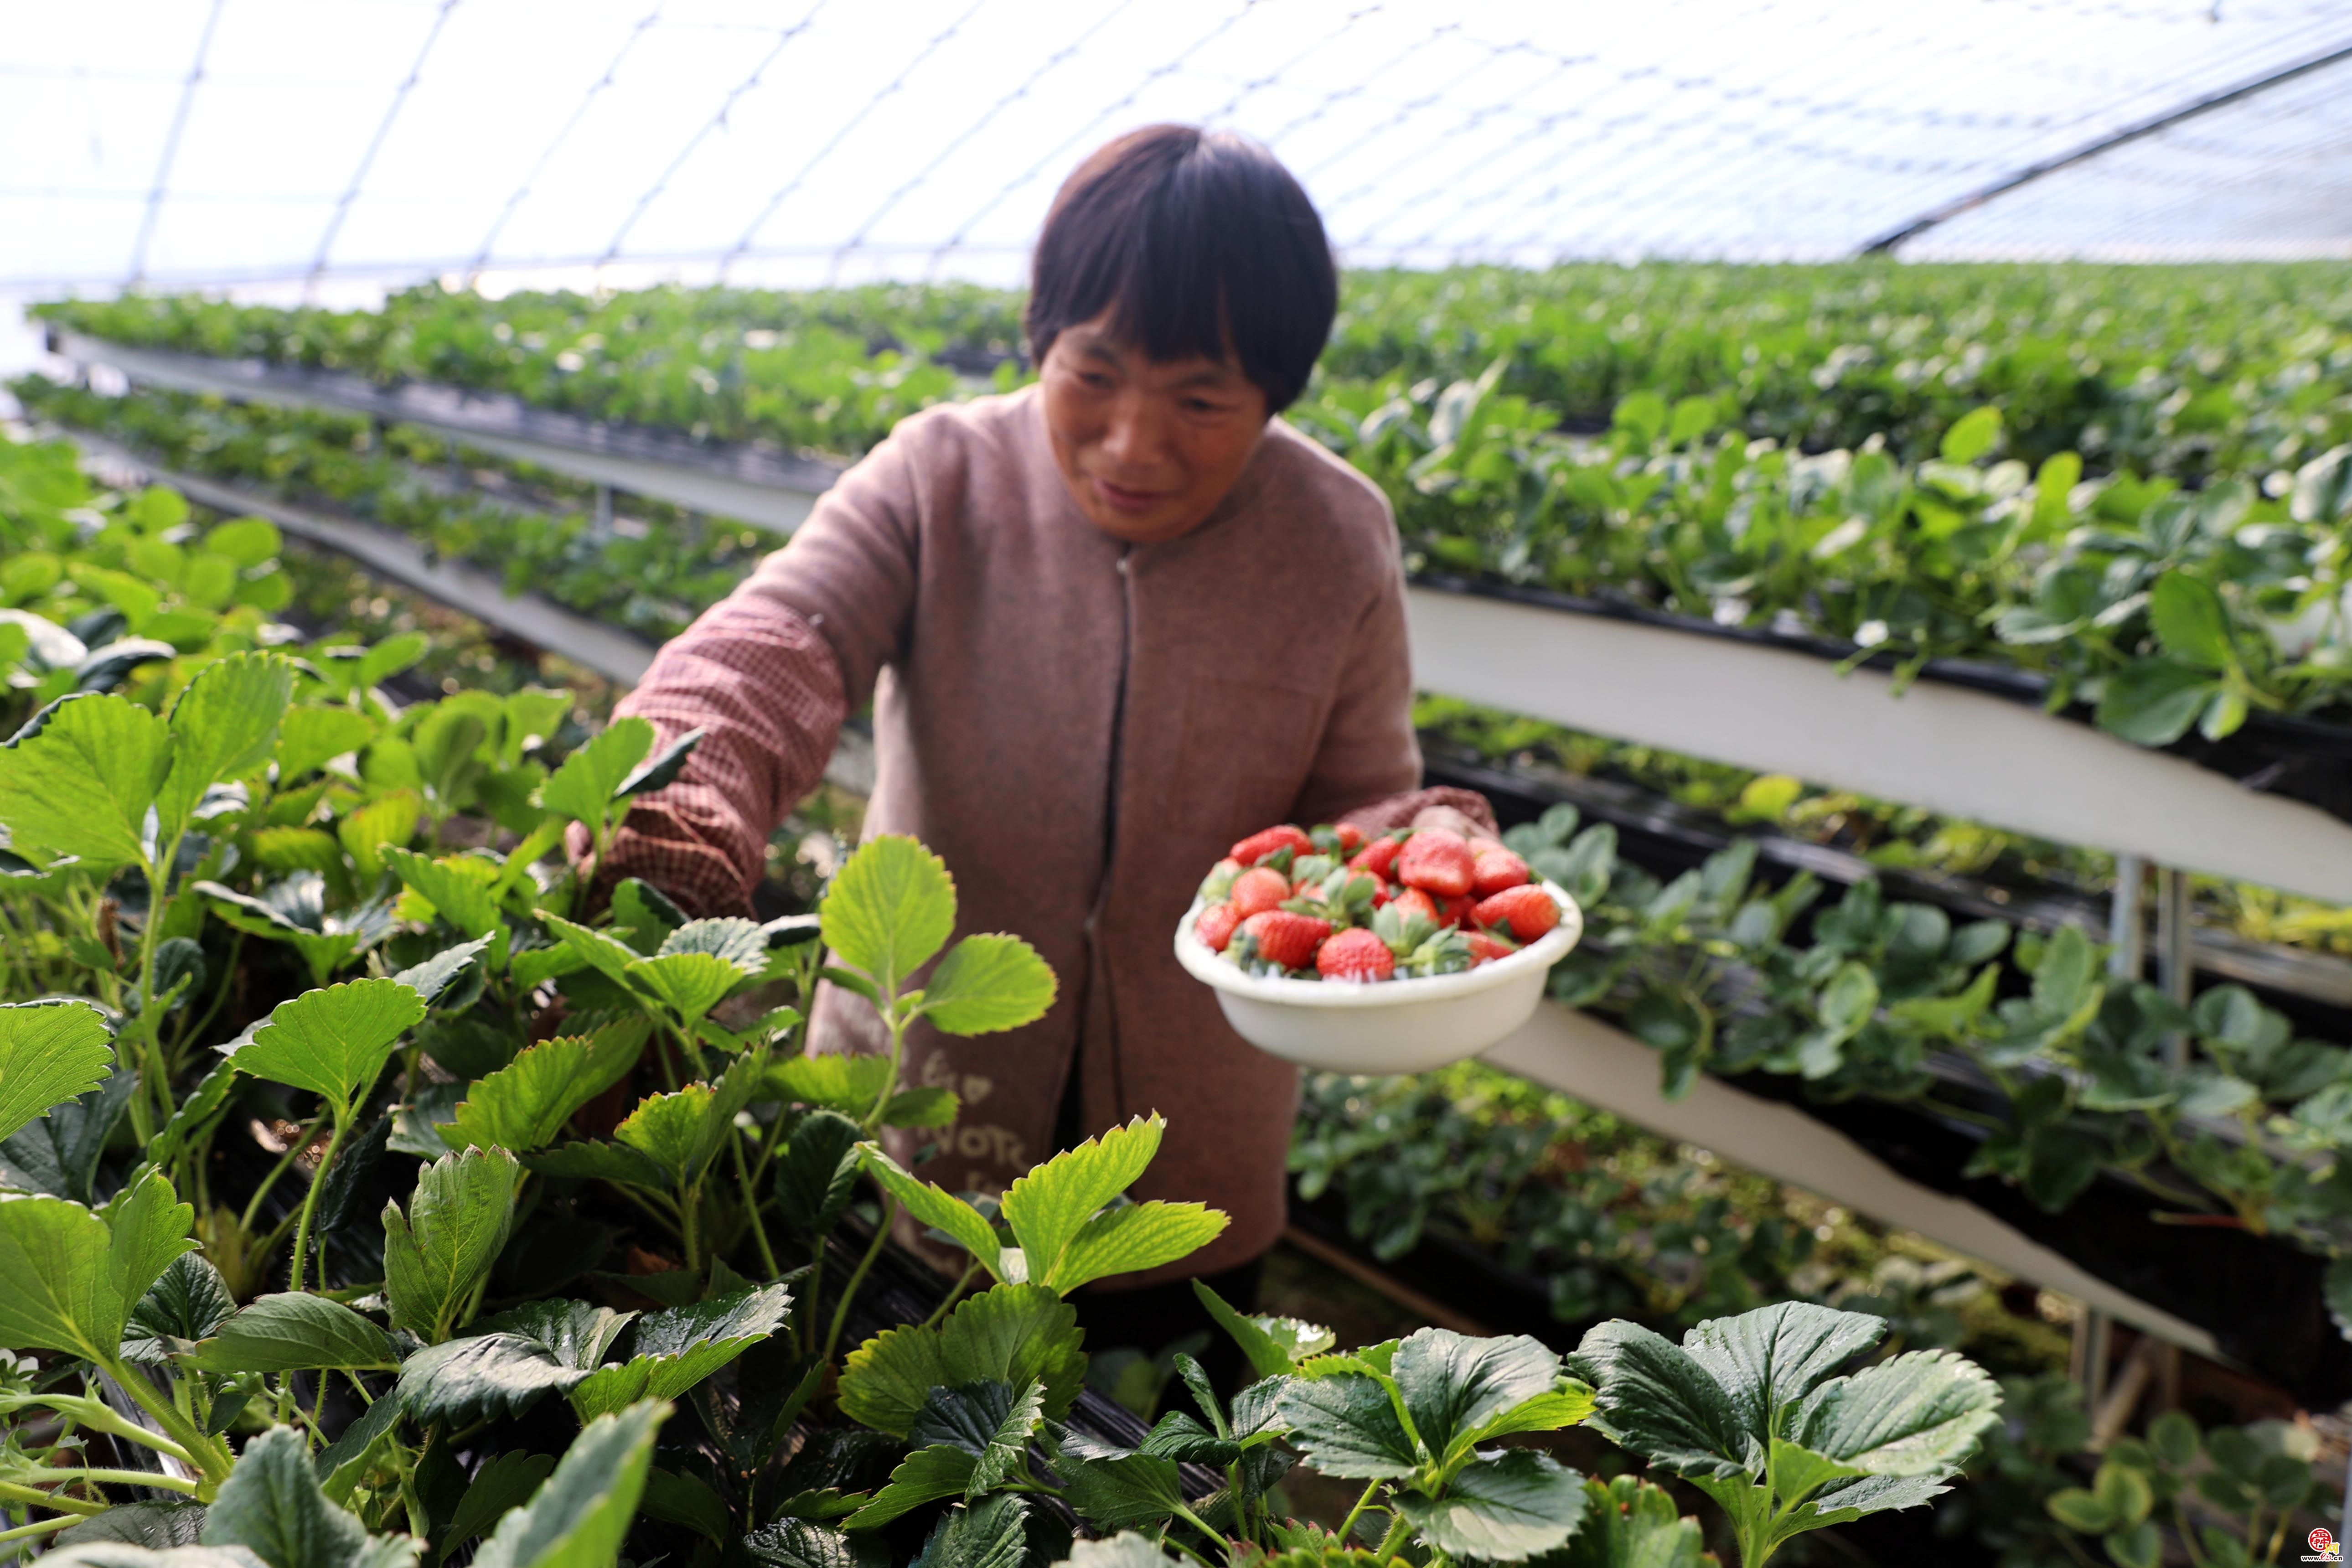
(1613, 1219)
(2165, 609)
(2217, 1108)
(652, 573)
(322, 1132)
(2185, 371)
(2182, 371)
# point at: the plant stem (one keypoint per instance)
(48, 1475)
(888, 1008)
(75, 1508)
(208, 1455)
(1393, 1539)
(253, 1209)
(100, 1416)
(1363, 1502)
(751, 1201)
(310, 1199)
(849, 1293)
(43, 1526)
(949, 1299)
(815, 1295)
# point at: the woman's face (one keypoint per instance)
(1148, 447)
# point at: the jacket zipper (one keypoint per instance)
(1095, 961)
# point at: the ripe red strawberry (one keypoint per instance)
(1355, 954)
(1493, 868)
(1413, 901)
(1437, 860)
(1527, 910)
(1258, 846)
(1352, 838)
(1216, 926)
(1485, 948)
(1458, 911)
(1258, 889)
(1378, 858)
(1285, 939)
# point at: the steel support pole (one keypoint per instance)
(2127, 920)
(2174, 965)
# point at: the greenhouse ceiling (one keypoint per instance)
(318, 143)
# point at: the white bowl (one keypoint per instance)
(1382, 1026)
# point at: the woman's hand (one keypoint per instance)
(1455, 821)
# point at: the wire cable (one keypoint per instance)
(172, 149)
(1157, 73)
(718, 120)
(841, 134)
(1260, 83)
(522, 192)
(375, 143)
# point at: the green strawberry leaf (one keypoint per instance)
(1133, 1239)
(1656, 1399)
(1453, 1386)
(272, 1506)
(1130, 1492)
(1347, 1426)
(586, 785)
(79, 778)
(333, 1042)
(924, 1475)
(672, 1350)
(51, 1052)
(437, 1253)
(935, 1207)
(581, 1514)
(2190, 622)
(507, 1481)
(1768, 1359)
(296, 1332)
(1918, 1414)
(1273, 1346)
(890, 908)
(309, 738)
(689, 984)
(188, 1301)
(849, 1085)
(987, 984)
(991, 1534)
(1503, 1509)
(1049, 1205)
(526, 1104)
(683, 1132)
(1631, 1523)
(503, 1373)
(817, 1176)
(224, 726)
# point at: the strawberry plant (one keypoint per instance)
(1753, 1412)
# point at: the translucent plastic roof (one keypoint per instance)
(176, 143)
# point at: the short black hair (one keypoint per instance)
(1204, 244)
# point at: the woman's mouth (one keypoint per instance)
(1119, 497)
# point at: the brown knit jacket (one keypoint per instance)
(1080, 728)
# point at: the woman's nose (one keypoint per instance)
(1136, 434)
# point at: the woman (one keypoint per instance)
(1109, 624)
